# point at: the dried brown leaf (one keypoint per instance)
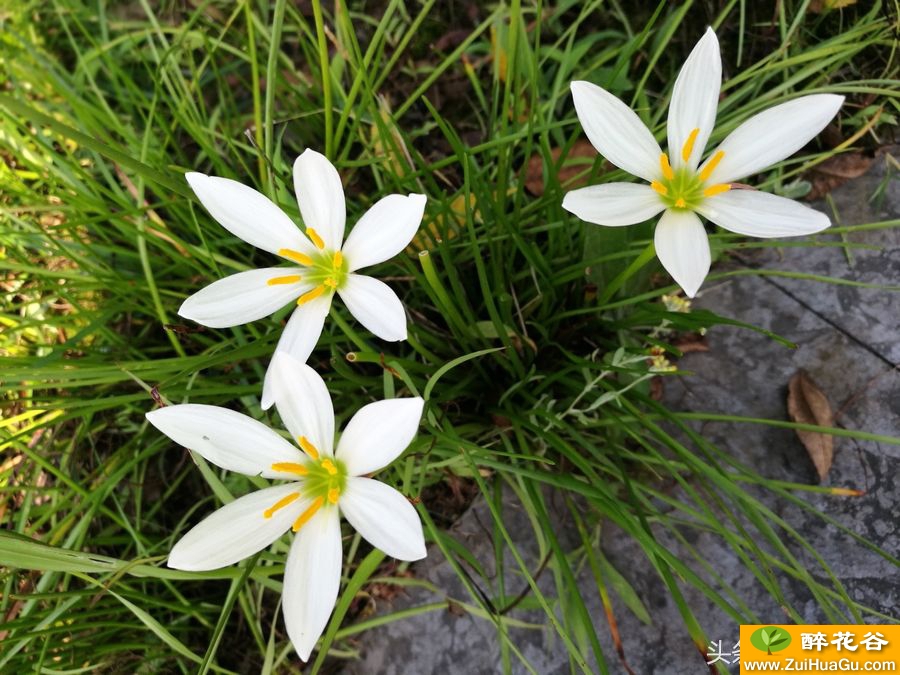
(836, 171)
(691, 343)
(807, 404)
(568, 172)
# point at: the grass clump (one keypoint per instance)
(530, 333)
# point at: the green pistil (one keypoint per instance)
(683, 191)
(327, 478)
(324, 271)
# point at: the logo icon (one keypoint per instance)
(770, 639)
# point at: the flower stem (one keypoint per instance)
(349, 332)
(619, 280)
(326, 75)
(271, 68)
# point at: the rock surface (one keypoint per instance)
(847, 339)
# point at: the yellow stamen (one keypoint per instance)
(338, 260)
(308, 447)
(334, 495)
(688, 146)
(668, 174)
(660, 188)
(717, 189)
(711, 165)
(311, 295)
(280, 504)
(296, 256)
(315, 238)
(329, 466)
(330, 282)
(680, 203)
(290, 467)
(309, 513)
(286, 279)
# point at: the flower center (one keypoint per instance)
(323, 479)
(683, 188)
(326, 270)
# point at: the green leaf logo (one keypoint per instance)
(770, 639)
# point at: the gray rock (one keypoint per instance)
(847, 341)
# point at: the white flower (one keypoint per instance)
(679, 186)
(323, 484)
(325, 266)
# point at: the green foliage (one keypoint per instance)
(533, 381)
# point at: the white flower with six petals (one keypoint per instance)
(679, 185)
(325, 265)
(323, 484)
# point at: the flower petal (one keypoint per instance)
(237, 530)
(242, 297)
(312, 578)
(773, 135)
(225, 437)
(683, 248)
(303, 401)
(246, 213)
(384, 517)
(384, 230)
(760, 214)
(375, 306)
(616, 131)
(299, 338)
(614, 203)
(377, 434)
(320, 195)
(695, 97)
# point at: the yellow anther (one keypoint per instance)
(711, 165)
(680, 203)
(334, 495)
(315, 238)
(716, 189)
(338, 260)
(688, 146)
(668, 174)
(280, 504)
(308, 447)
(311, 295)
(660, 188)
(290, 467)
(309, 513)
(329, 466)
(286, 279)
(296, 256)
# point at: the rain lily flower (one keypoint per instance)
(680, 186)
(321, 264)
(322, 483)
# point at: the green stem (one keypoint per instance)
(271, 68)
(448, 309)
(349, 332)
(645, 256)
(257, 103)
(326, 76)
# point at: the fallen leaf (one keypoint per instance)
(807, 404)
(836, 171)
(568, 172)
(656, 388)
(693, 342)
